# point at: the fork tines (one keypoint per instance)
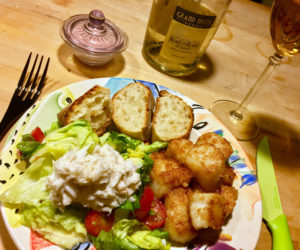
(31, 88)
(26, 93)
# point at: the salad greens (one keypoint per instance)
(139, 153)
(129, 147)
(30, 188)
(31, 196)
(27, 145)
(63, 227)
(30, 193)
(58, 142)
(131, 234)
(135, 150)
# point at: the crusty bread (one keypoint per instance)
(93, 106)
(172, 119)
(132, 108)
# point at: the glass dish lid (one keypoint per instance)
(94, 33)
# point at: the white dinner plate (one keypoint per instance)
(240, 232)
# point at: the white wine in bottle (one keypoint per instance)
(179, 32)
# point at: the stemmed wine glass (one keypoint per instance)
(285, 33)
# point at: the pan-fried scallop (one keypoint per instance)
(218, 141)
(207, 164)
(178, 222)
(167, 173)
(178, 148)
(228, 176)
(206, 210)
(230, 195)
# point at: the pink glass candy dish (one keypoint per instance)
(94, 39)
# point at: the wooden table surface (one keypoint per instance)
(234, 59)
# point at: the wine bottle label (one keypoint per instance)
(185, 35)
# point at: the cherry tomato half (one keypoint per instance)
(38, 134)
(145, 202)
(95, 222)
(157, 215)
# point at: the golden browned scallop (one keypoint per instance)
(178, 149)
(207, 164)
(228, 176)
(167, 173)
(159, 155)
(206, 210)
(230, 195)
(178, 222)
(218, 141)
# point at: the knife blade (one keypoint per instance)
(272, 210)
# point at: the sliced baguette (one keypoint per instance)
(93, 106)
(132, 109)
(172, 119)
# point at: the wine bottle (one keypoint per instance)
(179, 32)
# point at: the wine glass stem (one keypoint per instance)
(274, 61)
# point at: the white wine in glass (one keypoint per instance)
(285, 33)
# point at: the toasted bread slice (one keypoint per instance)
(93, 106)
(172, 119)
(132, 108)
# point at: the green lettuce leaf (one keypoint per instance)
(151, 148)
(54, 126)
(27, 145)
(160, 233)
(146, 240)
(129, 147)
(31, 186)
(105, 240)
(61, 140)
(66, 227)
(119, 142)
(130, 234)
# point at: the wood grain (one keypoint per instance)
(234, 59)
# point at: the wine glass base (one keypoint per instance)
(244, 129)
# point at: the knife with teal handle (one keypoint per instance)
(272, 210)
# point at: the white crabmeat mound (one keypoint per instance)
(101, 180)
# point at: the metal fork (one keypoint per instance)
(25, 94)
